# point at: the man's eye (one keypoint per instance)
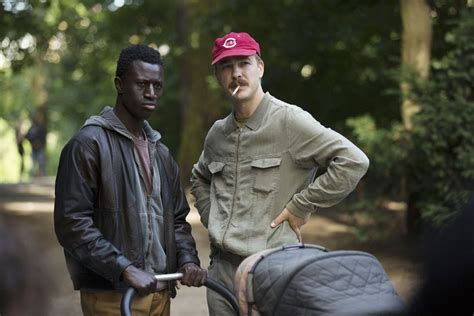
(140, 84)
(157, 85)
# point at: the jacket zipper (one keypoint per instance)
(148, 203)
(235, 186)
(149, 235)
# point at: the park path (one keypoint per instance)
(29, 206)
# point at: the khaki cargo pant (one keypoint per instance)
(108, 304)
(222, 271)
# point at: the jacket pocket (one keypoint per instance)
(107, 221)
(267, 174)
(215, 167)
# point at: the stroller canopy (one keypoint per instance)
(309, 280)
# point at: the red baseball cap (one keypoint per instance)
(234, 44)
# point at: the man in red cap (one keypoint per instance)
(255, 182)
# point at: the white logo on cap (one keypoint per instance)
(230, 42)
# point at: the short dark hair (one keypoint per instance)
(136, 52)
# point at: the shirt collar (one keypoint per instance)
(108, 119)
(253, 121)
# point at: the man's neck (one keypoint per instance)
(246, 108)
(134, 127)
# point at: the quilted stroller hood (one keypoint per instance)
(309, 280)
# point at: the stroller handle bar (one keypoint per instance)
(126, 303)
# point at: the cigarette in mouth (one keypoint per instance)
(235, 90)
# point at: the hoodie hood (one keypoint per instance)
(108, 120)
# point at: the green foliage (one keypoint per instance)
(9, 157)
(435, 163)
(386, 148)
(348, 47)
(346, 51)
(441, 156)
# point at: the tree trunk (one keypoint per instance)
(199, 104)
(415, 51)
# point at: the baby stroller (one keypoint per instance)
(310, 280)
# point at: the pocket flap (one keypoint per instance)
(215, 167)
(266, 162)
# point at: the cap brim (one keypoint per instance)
(233, 53)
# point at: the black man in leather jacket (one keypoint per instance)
(120, 211)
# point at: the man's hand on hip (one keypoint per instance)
(294, 221)
(193, 275)
(143, 282)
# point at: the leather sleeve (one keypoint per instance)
(76, 189)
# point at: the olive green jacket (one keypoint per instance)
(246, 176)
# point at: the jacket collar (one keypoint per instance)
(254, 121)
(107, 119)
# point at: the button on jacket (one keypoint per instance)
(246, 176)
(103, 216)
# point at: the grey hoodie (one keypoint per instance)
(151, 210)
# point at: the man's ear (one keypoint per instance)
(118, 85)
(261, 68)
(216, 75)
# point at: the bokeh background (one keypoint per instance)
(395, 77)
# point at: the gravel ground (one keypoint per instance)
(28, 207)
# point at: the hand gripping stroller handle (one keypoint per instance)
(126, 303)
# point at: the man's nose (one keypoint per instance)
(236, 71)
(150, 92)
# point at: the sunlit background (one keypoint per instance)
(395, 77)
(367, 69)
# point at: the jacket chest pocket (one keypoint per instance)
(267, 174)
(216, 168)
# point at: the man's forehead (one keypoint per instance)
(233, 58)
(139, 67)
(140, 64)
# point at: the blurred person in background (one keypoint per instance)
(36, 135)
(19, 136)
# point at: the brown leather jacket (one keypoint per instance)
(96, 212)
